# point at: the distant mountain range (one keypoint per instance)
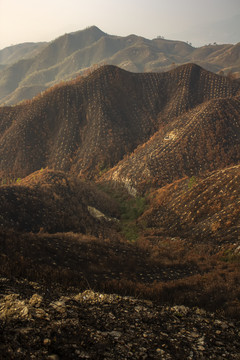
(27, 69)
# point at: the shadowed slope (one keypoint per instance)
(52, 201)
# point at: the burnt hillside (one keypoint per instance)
(203, 139)
(204, 208)
(87, 126)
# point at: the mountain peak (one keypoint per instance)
(95, 28)
(90, 29)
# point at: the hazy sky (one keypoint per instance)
(44, 20)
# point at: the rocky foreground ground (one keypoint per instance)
(36, 323)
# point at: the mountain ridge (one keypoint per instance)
(87, 126)
(71, 54)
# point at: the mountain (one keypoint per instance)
(72, 54)
(37, 68)
(146, 121)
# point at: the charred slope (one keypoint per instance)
(53, 202)
(201, 208)
(87, 126)
(203, 139)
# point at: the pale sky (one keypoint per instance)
(44, 20)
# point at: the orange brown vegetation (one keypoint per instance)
(207, 207)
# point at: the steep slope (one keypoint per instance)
(87, 126)
(54, 202)
(90, 124)
(71, 54)
(202, 208)
(203, 139)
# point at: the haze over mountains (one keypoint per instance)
(28, 69)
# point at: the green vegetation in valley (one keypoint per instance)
(130, 209)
